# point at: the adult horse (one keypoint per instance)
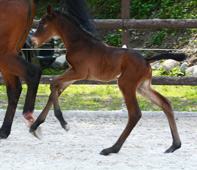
(91, 59)
(16, 17)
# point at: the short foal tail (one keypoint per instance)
(174, 56)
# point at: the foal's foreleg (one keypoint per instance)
(56, 87)
(14, 88)
(41, 118)
(57, 110)
(147, 91)
(134, 114)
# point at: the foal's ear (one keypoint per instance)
(49, 9)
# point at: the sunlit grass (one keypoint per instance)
(106, 97)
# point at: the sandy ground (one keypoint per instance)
(90, 132)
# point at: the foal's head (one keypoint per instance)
(46, 28)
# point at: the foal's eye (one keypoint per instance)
(41, 23)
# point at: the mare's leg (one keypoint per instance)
(32, 78)
(30, 74)
(134, 114)
(147, 91)
(14, 88)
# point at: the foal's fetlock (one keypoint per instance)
(59, 116)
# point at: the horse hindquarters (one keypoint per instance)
(15, 23)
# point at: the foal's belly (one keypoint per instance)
(105, 76)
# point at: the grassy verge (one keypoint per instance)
(107, 97)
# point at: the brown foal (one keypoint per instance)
(91, 59)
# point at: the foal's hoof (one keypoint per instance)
(66, 127)
(104, 152)
(37, 133)
(107, 151)
(173, 148)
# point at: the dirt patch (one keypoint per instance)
(90, 132)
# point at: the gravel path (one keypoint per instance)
(90, 132)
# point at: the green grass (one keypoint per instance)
(107, 97)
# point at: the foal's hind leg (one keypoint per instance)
(147, 91)
(14, 88)
(134, 114)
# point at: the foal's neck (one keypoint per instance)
(69, 32)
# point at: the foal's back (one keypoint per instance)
(106, 63)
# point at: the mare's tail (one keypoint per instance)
(174, 56)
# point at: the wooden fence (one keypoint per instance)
(157, 80)
(126, 23)
(140, 23)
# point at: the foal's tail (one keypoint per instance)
(174, 56)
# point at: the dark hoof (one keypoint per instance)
(107, 151)
(104, 152)
(173, 148)
(66, 127)
(37, 133)
(3, 134)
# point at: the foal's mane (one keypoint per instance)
(76, 22)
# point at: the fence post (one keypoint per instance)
(125, 14)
